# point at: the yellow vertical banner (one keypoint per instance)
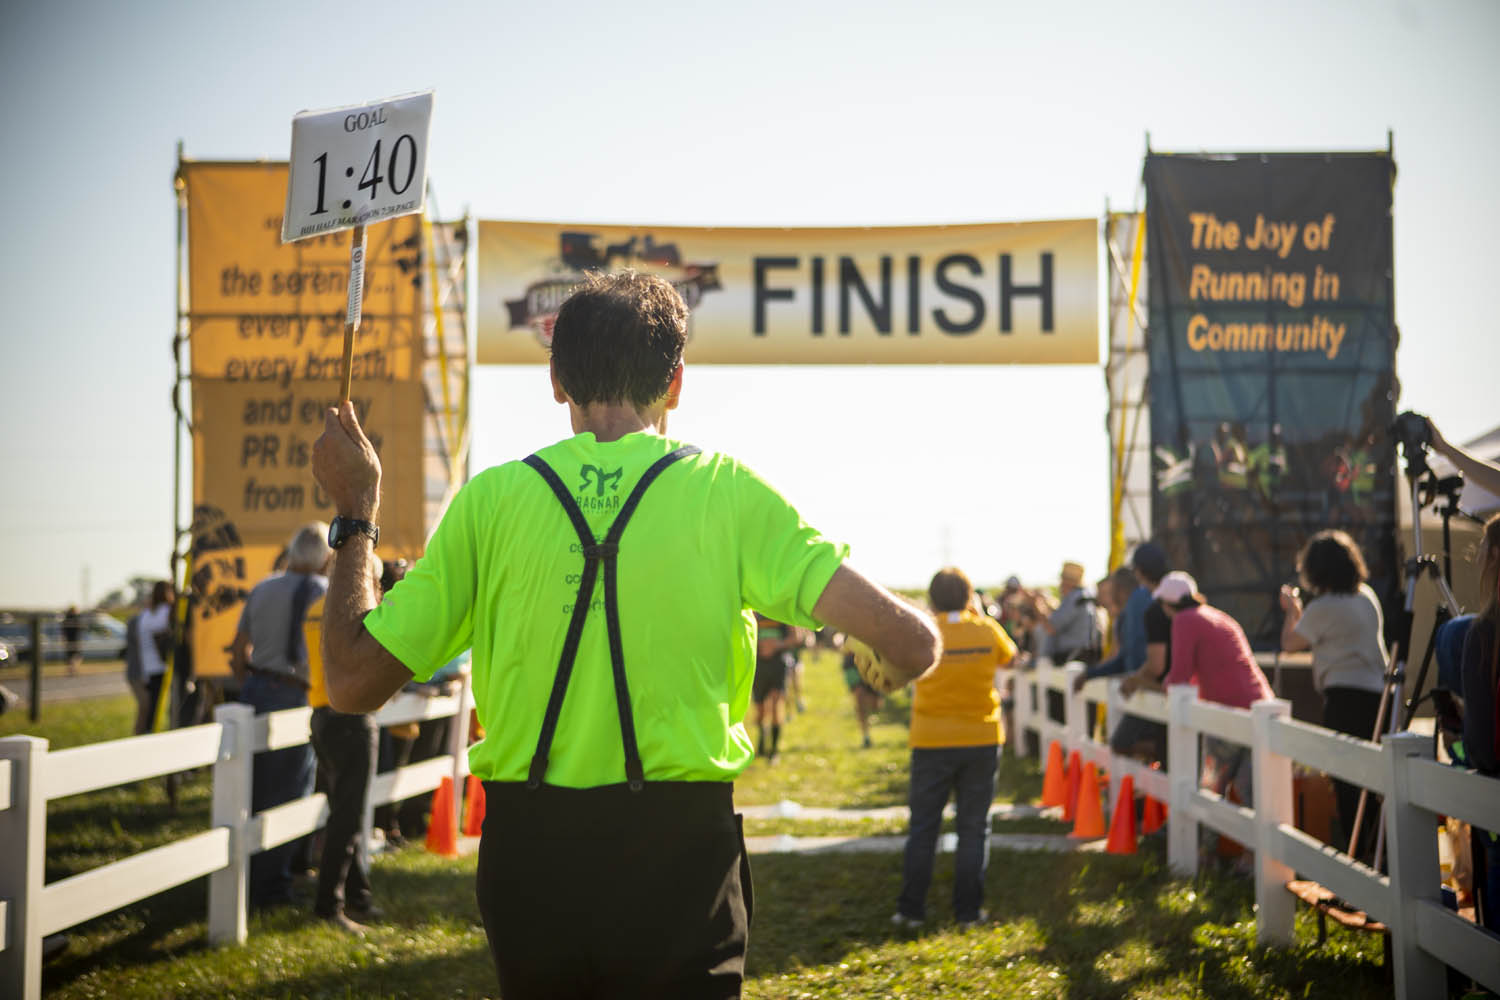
(266, 336)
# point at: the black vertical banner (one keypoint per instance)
(1272, 368)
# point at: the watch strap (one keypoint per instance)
(348, 527)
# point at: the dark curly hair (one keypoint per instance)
(1330, 563)
(619, 339)
(949, 590)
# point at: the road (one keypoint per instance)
(94, 680)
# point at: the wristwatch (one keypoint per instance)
(341, 529)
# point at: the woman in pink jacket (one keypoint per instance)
(1210, 649)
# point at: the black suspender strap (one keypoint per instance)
(595, 553)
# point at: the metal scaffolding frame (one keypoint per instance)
(1126, 366)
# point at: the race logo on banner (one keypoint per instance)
(580, 251)
(1272, 368)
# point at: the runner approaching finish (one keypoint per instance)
(866, 698)
(605, 584)
(776, 646)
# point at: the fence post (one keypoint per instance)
(1114, 711)
(1415, 877)
(1182, 773)
(23, 831)
(228, 888)
(1075, 709)
(367, 817)
(1020, 710)
(1271, 790)
(36, 668)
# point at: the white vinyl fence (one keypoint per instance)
(30, 777)
(1425, 935)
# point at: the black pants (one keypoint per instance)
(345, 745)
(409, 816)
(605, 892)
(1353, 711)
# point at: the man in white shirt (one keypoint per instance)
(153, 636)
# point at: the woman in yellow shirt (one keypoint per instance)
(955, 738)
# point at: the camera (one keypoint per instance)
(1414, 435)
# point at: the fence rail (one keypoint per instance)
(31, 776)
(1425, 935)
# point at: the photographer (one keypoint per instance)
(1481, 690)
(1475, 469)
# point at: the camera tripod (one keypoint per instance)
(1419, 477)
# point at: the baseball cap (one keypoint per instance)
(1012, 582)
(1174, 587)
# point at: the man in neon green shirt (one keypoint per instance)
(612, 667)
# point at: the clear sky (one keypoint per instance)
(773, 113)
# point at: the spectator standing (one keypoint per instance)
(1481, 726)
(1343, 627)
(955, 742)
(407, 820)
(72, 630)
(1210, 650)
(1073, 630)
(153, 639)
(1129, 599)
(1133, 735)
(344, 743)
(628, 760)
(269, 658)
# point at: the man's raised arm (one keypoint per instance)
(905, 637)
(361, 674)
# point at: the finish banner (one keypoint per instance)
(1018, 293)
(266, 326)
(1272, 353)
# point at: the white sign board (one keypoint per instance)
(357, 165)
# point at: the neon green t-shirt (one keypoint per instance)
(709, 540)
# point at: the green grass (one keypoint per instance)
(1065, 926)
(73, 723)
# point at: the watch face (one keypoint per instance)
(341, 529)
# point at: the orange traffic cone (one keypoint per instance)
(474, 806)
(1122, 830)
(442, 835)
(1153, 816)
(1070, 801)
(1055, 784)
(1090, 822)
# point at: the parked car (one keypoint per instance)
(101, 637)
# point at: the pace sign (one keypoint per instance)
(356, 165)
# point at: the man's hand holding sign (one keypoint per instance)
(351, 166)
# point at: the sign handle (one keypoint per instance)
(356, 298)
